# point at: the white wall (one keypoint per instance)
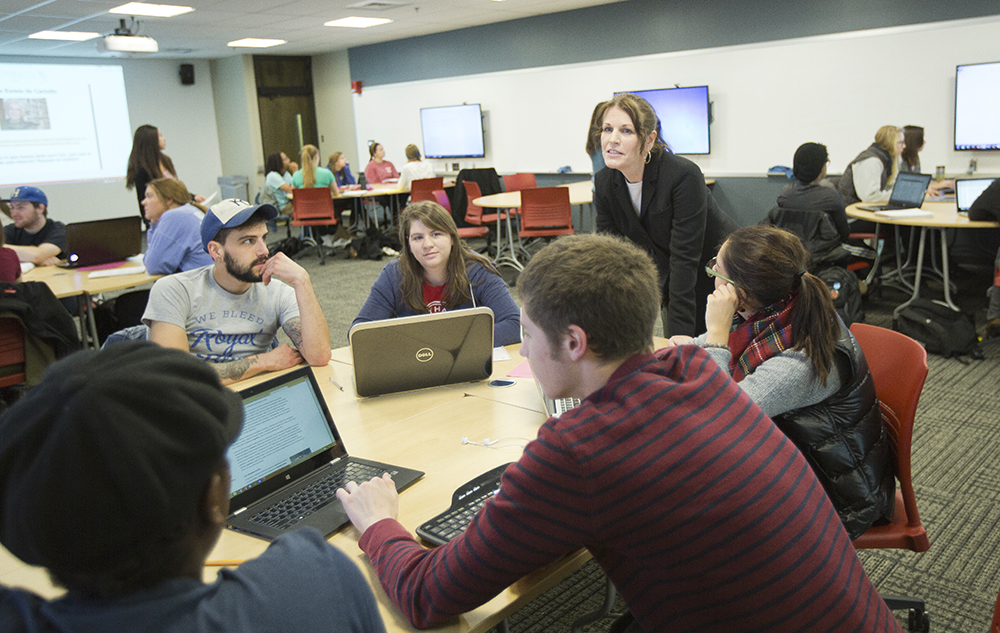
(331, 74)
(768, 99)
(184, 114)
(238, 120)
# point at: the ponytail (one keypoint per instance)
(815, 329)
(309, 153)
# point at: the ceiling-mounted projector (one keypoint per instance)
(124, 41)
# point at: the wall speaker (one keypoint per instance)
(187, 74)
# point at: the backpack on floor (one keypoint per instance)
(942, 330)
(845, 292)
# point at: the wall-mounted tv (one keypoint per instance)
(453, 131)
(684, 117)
(977, 93)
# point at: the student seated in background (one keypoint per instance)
(229, 313)
(276, 189)
(113, 476)
(34, 236)
(378, 168)
(290, 167)
(909, 159)
(436, 272)
(173, 240)
(773, 327)
(872, 174)
(806, 193)
(337, 163)
(414, 169)
(700, 510)
(312, 175)
(987, 208)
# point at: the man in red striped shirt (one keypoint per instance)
(703, 514)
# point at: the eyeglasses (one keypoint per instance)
(710, 269)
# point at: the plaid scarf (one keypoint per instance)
(766, 334)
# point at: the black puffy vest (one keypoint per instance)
(845, 442)
(845, 187)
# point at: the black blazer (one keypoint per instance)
(680, 226)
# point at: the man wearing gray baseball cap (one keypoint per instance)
(113, 476)
(228, 313)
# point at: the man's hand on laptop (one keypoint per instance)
(282, 267)
(370, 502)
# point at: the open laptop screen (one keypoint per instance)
(968, 190)
(282, 427)
(909, 190)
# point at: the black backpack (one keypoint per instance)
(942, 330)
(845, 292)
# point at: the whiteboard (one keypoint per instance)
(767, 100)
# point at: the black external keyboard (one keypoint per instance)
(465, 503)
(316, 495)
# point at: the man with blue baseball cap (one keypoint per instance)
(228, 313)
(33, 236)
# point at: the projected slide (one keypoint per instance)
(62, 124)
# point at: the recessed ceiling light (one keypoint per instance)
(151, 10)
(357, 23)
(254, 42)
(68, 36)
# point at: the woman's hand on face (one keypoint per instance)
(719, 313)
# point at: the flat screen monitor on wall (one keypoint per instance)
(684, 117)
(453, 131)
(977, 93)
(62, 123)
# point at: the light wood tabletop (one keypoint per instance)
(579, 193)
(66, 282)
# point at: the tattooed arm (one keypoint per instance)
(309, 331)
(281, 357)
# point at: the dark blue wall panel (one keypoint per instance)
(637, 27)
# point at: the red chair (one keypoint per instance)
(995, 627)
(474, 213)
(423, 188)
(441, 197)
(546, 212)
(519, 182)
(313, 207)
(11, 352)
(898, 365)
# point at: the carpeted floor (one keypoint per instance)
(956, 462)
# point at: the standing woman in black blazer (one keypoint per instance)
(659, 201)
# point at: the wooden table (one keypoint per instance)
(65, 282)
(420, 429)
(945, 216)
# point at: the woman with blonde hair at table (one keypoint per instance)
(872, 174)
(414, 169)
(436, 272)
(772, 326)
(173, 240)
(311, 174)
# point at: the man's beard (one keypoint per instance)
(243, 274)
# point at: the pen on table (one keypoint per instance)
(336, 383)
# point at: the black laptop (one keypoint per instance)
(907, 193)
(289, 460)
(425, 350)
(102, 241)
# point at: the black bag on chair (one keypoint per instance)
(941, 330)
(845, 292)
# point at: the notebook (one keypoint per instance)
(907, 193)
(426, 350)
(289, 460)
(102, 241)
(967, 190)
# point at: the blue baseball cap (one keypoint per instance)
(230, 213)
(28, 194)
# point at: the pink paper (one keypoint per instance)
(521, 371)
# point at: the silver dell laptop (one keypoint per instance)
(426, 350)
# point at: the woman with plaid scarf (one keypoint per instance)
(773, 327)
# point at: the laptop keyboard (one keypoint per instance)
(318, 494)
(466, 502)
